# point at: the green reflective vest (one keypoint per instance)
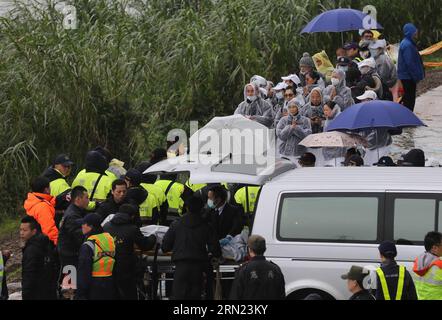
(195, 187)
(429, 286)
(109, 174)
(400, 284)
(246, 197)
(89, 179)
(173, 195)
(58, 186)
(156, 191)
(104, 254)
(148, 205)
(2, 271)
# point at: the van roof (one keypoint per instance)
(361, 178)
(215, 169)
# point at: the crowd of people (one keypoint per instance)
(82, 238)
(308, 102)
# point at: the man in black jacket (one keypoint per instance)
(126, 234)
(115, 200)
(355, 283)
(191, 240)
(258, 279)
(38, 269)
(70, 237)
(390, 274)
(224, 218)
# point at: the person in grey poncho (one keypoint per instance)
(291, 130)
(385, 67)
(332, 156)
(338, 91)
(314, 110)
(254, 107)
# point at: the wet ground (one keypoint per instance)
(429, 109)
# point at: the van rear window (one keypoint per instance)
(334, 218)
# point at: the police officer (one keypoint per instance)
(148, 183)
(175, 193)
(146, 202)
(94, 178)
(258, 279)
(393, 281)
(246, 197)
(96, 262)
(59, 187)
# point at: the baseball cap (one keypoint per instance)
(385, 162)
(280, 86)
(355, 273)
(293, 77)
(369, 94)
(388, 249)
(378, 44)
(351, 45)
(91, 219)
(343, 61)
(64, 160)
(367, 62)
(134, 176)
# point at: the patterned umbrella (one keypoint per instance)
(333, 139)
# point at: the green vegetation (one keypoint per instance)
(124, 81)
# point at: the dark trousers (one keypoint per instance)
(126, 286)
(409, 98)
(188, 280)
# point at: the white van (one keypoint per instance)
(318, 222)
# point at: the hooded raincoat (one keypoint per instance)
(260, 109)
(410, 66)
(343, 93)
(333, 153)
(428, 276)
(323, 65)
(313, 112)
(291, 137)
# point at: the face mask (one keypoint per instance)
(345, 69)
(251, 99)
(334, 81)
(279, 95)
(210, 204)
(299, 91)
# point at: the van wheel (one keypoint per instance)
(302, 294)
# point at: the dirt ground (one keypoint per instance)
(11, 241)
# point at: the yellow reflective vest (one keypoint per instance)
(147, 207)
(156, 191)
(429, 283)
(104, 255)
(173, 195)
(246, 197)
(58, 186)
(384, 285)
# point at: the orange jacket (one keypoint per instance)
(42, 207)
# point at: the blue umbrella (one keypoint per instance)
(338, 20)
(375, 114)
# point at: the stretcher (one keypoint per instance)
(159, 270)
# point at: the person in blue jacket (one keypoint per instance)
(410, 66)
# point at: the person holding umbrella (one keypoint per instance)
(330, 154)
(379, 140)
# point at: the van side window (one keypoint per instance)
(328, 218)
(413, 218)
